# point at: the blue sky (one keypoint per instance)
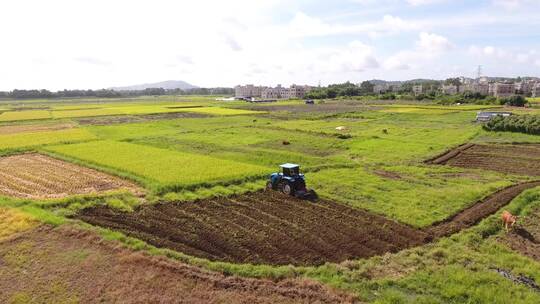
(94, 44)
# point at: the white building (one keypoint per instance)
(279, 92)
(417, 89)
(536, 90)
(248, 91)
(380, 88)
(500, 89)
(481, 88)
(450, 89)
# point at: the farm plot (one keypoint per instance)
(31, 128)
(525, 237)
(37, 176)
(24, 115)
(70, 265)
(510, 159)
(266, 228)
(160, 167)
(32, 139)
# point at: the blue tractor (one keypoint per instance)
(290, 182)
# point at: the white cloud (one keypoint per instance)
(516, 56)
(423, 2)
(514, 4)
(303, 25)
(395, 63)
(489, 51)
(433, 43)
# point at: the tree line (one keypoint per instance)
(107, 93)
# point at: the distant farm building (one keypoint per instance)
(487, 116)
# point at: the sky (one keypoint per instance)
(75, 44)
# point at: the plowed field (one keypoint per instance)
(510, 159)
(37, 176)
(270, 228)
(267, 228)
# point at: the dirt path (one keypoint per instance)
(68, 265)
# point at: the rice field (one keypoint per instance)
(34, 139)
(168, 168)
(75, 111)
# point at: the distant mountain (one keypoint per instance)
(167, 85)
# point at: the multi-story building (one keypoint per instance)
(380, 88)
(500, 89)
(248, 91)
(536, 90)
(417, 89)
(450, 89)
(279, 92)
(481, 88)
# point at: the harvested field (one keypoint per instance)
(270, 228)
(68, 265)
(511, 159)
(34, 128)
(125, 119)
(267, 228)
(37, 176)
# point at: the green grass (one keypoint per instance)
(24, 115)
(418, 196)
(165, 168)
(24, 140)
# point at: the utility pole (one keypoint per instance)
(479, 72)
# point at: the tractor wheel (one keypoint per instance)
(287, 189)
(269, 186)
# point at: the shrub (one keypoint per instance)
(515, 101)
(529, 124)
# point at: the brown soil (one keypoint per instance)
(34, 128)
(37, 176)
(509, 159)
(525, 236)
(111, 120)
(264, 227)
(68, 265)
(271, 228)
(479, 210)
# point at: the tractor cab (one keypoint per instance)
(290, 170)
(290, 181)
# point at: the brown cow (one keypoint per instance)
(508, 219)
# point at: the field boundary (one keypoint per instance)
(444, 157)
